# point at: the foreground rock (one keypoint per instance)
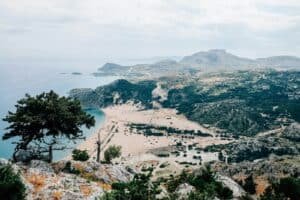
(184, 189)
(68, 180)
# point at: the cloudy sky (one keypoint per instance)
(93, 29)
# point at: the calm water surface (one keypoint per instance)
(16, 79)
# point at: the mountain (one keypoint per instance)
(142, 71)
(219, 58)
(211, 60)
(111, 66)
(216, 58)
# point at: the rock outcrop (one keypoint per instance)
(68, 180)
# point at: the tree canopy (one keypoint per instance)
(40, 121)
(112, 152)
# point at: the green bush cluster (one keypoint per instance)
(286, 189)
(205, 183)
(150, 130)
(11, 185)
(248, 184)
(112, 152)
(80, 155)
(140, 188)
(69, 169)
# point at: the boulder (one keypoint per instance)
(183, 190)
(237, 190)
(41, 166)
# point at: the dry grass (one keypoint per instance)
(56, 195)
(85, 190)
(78, 167)
(89, 176)
(104, 186)
(240, 177)
(261, 185)
(38, 181)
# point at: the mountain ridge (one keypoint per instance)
(215, 58)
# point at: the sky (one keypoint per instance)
(110, 29)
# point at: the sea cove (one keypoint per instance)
(17, 79)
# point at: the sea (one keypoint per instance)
(19, 78)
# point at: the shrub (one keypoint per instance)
(112, 152)
(225, 193)
(249, 185)
(80, 155)
(205, 183)
(163, 154)
(290, 187)
(287, 188)
(140, 188)
(69, 169)
(11, 186)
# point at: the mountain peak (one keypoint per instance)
(216, 58)
(108, 65)
(217, 51)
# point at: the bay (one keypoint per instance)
(19, 78)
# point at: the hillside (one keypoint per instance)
(118, 92)
(237, 103)
(217, 59)
(212, 60)
(247, 127)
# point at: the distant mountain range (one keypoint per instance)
(220, 58)
(205, 60)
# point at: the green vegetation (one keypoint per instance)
(80, 155)
(256, 148)
(112, 152)
(126, 91)
(41, 121)
(287, 188)
(140, 188)
(204, 182)
(249, 185)
(151, 130)
(11, 186)
(163, 154)
(247, 104)
(69, 169)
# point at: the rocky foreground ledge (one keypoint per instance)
(74, 180)
(68, 180)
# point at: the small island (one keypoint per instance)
(76, 73)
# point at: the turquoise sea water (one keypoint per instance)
(16, 79)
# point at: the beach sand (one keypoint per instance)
(115, 131)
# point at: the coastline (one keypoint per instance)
(115, 131)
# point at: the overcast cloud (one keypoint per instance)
(92, 29)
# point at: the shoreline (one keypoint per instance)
(115, 131)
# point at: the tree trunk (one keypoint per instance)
(98, 151)
(50, 154)
(98, 148)
(14, 157)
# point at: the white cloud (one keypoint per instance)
(125, 21)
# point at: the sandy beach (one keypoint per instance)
(115, 130)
